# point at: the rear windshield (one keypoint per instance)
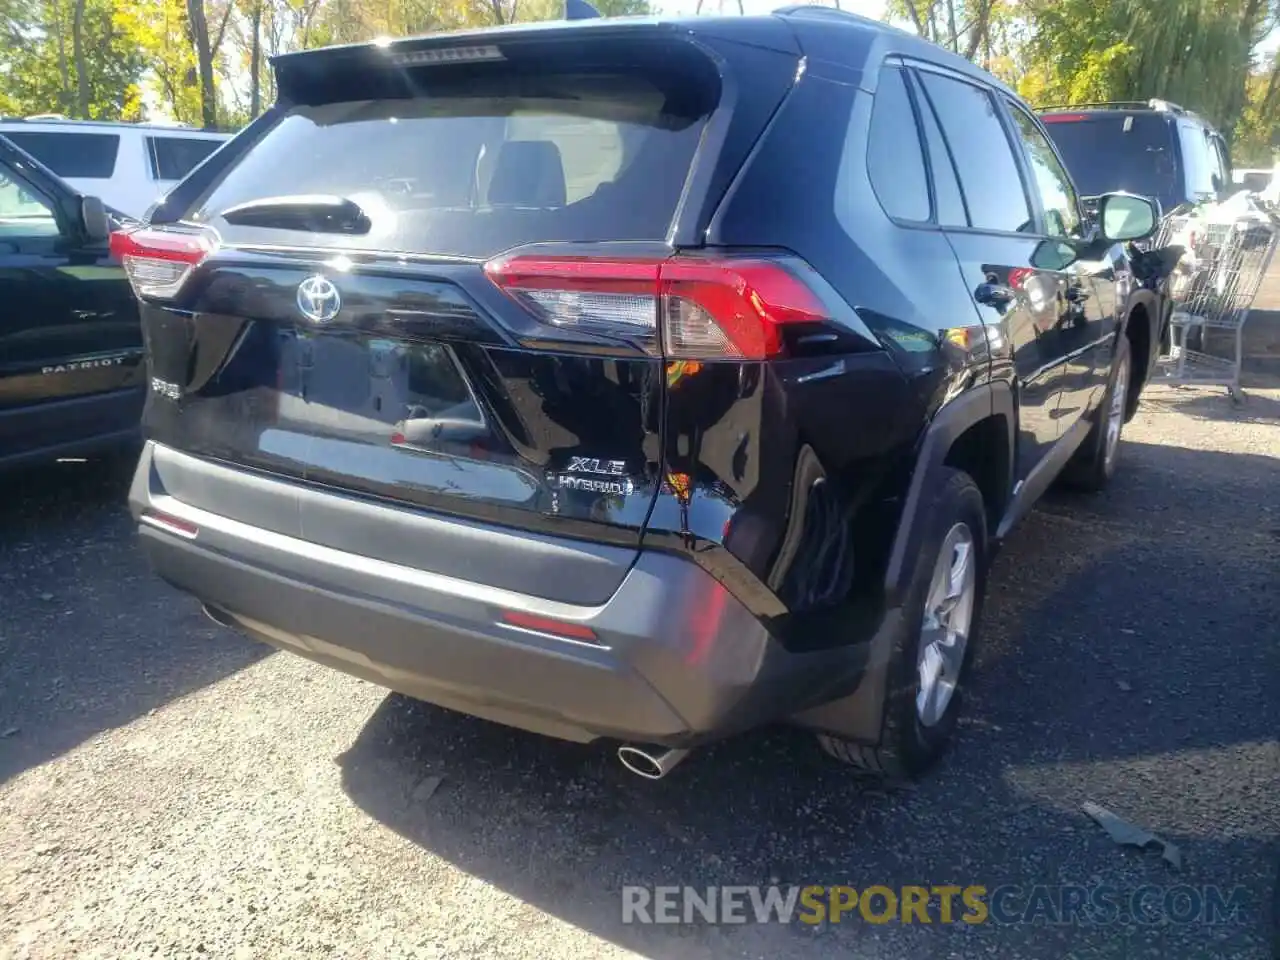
(172, 158)
(477, 167)
(89, 156)
(1103, 156)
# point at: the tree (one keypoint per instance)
(1194, 52)
(961, 26)
(81, 58)
(207, 45)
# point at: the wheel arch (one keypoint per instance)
(1139, 328)
(975, 433)
(985, 412)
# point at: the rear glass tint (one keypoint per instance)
(478, 167)
(172, 158)
(1105, 154)
(80, 155)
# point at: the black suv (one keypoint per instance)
(1154, 149)
(71, 360)
(642, 380)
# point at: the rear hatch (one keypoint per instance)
(342, 304)
(1110, 150)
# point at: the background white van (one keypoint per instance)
(128, 165)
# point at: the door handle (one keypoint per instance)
(994, 294)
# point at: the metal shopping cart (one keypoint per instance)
(1213, 288)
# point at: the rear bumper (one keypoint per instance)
(677, 659)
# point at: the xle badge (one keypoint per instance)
(593, 475)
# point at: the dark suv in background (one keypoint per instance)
(1155, 149)
(71, 359)
(642, 380)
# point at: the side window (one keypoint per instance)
(1196, 164)
(946, 182)
(895, 163)
(172, 158)
(1061, 208)
(76, 155)
(983, 155)
(23, 212)
(1221, 162)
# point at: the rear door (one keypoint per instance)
(69, 331)
(1106, 151)
(1018, 299)
(366, 324)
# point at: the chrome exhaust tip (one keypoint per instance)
(220, 617)
(652, 763)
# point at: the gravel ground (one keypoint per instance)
(168, 788)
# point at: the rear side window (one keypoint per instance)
(172, 158)
(983, 155)
(79, 155)
(474, 168)
(895, 163)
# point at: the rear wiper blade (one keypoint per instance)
(314, 213)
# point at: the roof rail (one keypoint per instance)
(46, 116)
(1155, 103)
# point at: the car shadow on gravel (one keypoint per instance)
(1124, 663)
(1215, 405)
(90, 638)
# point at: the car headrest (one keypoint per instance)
(528, 173)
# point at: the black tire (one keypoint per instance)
(908, 747)
(1091, 469)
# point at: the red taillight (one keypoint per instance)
(1063, 117)
(157, 262)
(171, 524)
(540, 624)
(703, 309)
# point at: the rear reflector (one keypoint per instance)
(158, 262)
(703, 309)
(170, 524)
(558, 628)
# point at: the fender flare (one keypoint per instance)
(953, 419)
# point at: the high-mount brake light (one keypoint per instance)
(158, 262)
(703, 308)
(1063, 117)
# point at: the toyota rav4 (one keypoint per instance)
(640, 380)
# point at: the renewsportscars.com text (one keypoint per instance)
(1051, 904)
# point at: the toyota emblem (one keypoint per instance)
(318, 299)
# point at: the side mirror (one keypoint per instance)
(93, 218)
(1125, 216)
(1054, 254)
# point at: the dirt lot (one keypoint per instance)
(170, 789)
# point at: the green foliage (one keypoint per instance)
(38, 67)
(142, 56)
(1257, 135)
(145, 56)
(1193, 52)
